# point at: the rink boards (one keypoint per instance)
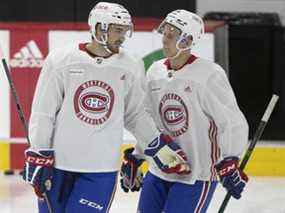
(268, 158)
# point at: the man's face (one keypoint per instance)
(116, 36)
(170, 36)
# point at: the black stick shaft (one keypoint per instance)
(252, 144)
(17, 101)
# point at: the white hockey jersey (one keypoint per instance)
(81, 106)
(196, 105)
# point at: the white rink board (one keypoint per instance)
(4, 88)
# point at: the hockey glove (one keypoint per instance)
(231, 177)
(38, 169)
(168, 155)
(131, 176)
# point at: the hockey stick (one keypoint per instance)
(21, 114)
(252, 144)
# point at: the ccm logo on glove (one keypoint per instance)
(40, 161)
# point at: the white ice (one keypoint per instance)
(262, 195)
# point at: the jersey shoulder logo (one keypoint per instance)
(28, 56)
(155, 89)
(76, 71)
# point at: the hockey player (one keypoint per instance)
(85, 95)
(191, 99)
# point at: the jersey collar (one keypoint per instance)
(82, 47)
(191, 59)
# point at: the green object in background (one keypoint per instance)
(152, 57)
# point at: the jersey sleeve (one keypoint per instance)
(147, 102)
(141, 71)
(137, 120)
(220, 105)
(46, 103)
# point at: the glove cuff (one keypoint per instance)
(129, 157)
(44, 152)
(227, 166)
(43, 157)
(166, 138)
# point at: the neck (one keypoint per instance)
(97, 49)
(179, 61)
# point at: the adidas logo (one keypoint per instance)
(188, 89)
(28, 56)
(123, 77)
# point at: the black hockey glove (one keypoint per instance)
(131, 176)
(231, 177)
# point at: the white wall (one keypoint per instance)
(278, 6)
(4, 89)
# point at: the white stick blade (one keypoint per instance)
(270, 108)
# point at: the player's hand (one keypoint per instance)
(38, 169)
(231, 177)
(168, 155)
(131, 176)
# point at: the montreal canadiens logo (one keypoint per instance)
(174, 114)
(93, 102)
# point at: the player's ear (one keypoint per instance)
(186, 42)
(98, 31)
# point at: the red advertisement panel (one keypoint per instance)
(28, 49)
